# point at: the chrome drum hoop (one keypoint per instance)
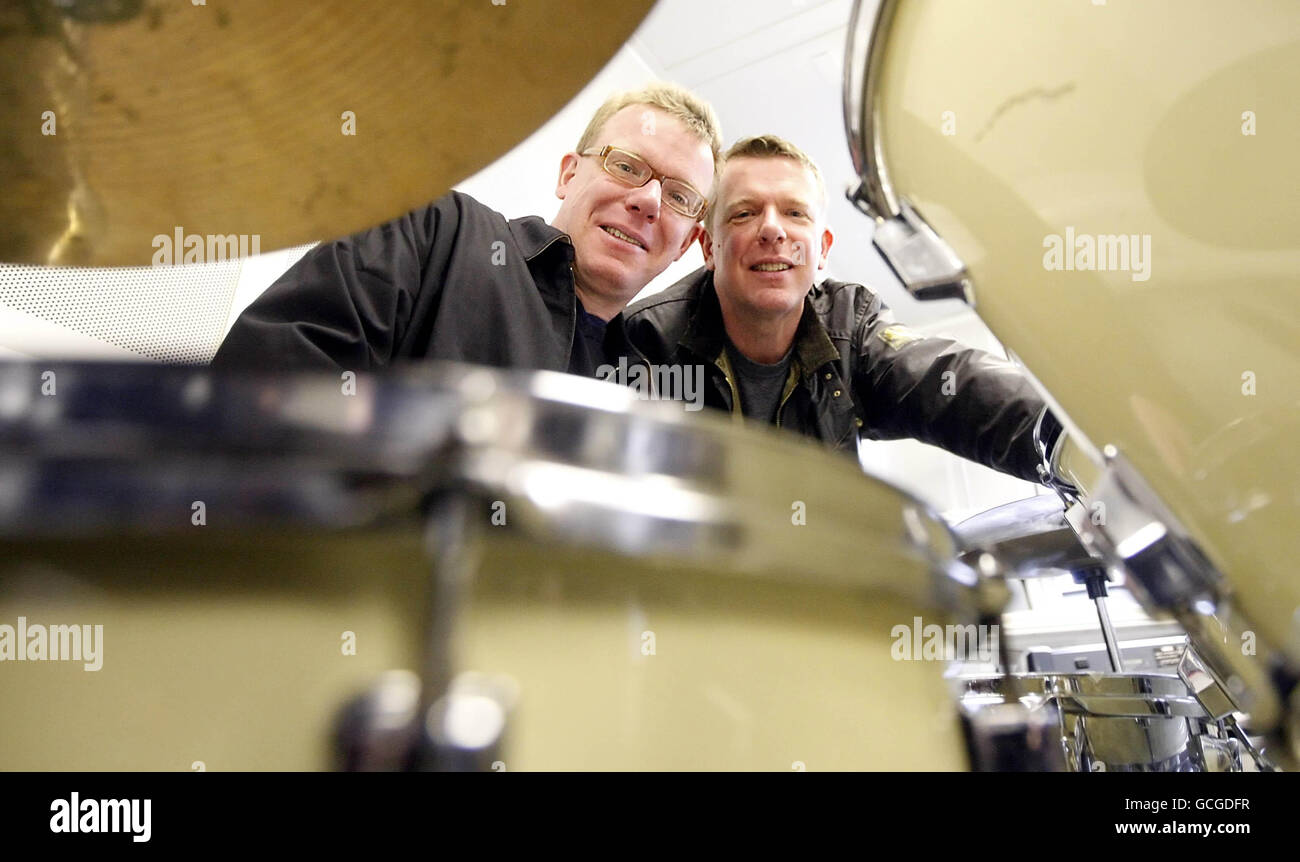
(1115, 722)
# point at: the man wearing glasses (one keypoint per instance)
(457, 280)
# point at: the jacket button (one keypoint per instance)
(857, 422)
(835, 394)
(828, 375)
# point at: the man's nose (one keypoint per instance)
(770, 228)
(646, 199)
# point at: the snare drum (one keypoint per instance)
(239, 557)
(654, 589)
(1114, 722)
(674, 592)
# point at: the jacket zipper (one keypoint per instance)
(654, 396)
(724, 365)
(791, 381)
(573, 326)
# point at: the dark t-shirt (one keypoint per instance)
(760, 385)
(588, 344)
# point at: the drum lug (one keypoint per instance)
(375, 732)
(1203, 685)
(1012, 737)
(1219, 755)
(925, 264)
(465, 729)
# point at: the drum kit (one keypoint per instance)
(452, 567)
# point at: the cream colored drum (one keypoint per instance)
(1107, 182)
(198, 573)
(683, 594)
(530, 572)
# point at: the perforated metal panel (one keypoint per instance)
(174, 314)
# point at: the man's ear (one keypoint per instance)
(827, 239)
(706, 246)
(697, 233)
(568, 169)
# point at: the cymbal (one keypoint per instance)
(290, 121)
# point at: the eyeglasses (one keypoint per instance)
(630, 169)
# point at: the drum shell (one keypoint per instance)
(1130, 120)
(220, 649)
(650, 664)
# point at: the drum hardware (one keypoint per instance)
(1013, 737)
(377, 730)
(463, 718)
(466, 728)
(1050, 472)
(516, 441)
(1170, 573)
(1032, 538)
(925, 264)
(1115, 720)
(1102, 722)
(436, 721)
(1242, 741)
(1095, 580)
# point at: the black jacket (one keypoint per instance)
(452, 280)
(855, 371)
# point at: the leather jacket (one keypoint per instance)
(856, 371)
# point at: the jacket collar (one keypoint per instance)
(706, 335)
(535, 236)
(548, 254)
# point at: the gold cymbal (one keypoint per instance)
(293, 120)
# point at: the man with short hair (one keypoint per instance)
(455, 280)
(826, 360)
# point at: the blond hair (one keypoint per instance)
(675, 101)
(769, 147)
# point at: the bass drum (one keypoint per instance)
(1103, 167)
(656, 590)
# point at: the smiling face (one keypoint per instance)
(767, 238)
(623, 236)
